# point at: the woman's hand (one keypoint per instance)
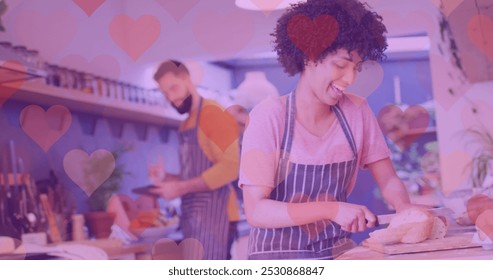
(352, 217)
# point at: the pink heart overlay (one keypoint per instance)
(11, 87)
(51, 32)
(312, 37)
(89, 171)
(368, 80)
(45, 128)
(222, 39)
(449, 7)
(135, 37)
(256, 162)
(178, 9)
(188, 249)
(89, 6)
(313, 229)
(403, 128)
(480, 31)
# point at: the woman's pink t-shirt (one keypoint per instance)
(263, 136)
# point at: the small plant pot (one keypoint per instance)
(99, 223)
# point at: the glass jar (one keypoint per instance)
(88, 83)
(34, 59)
(21, 53)
(6, 51)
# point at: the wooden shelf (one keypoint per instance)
(38, 93)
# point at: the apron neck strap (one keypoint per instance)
(199, 109)
(287, 139)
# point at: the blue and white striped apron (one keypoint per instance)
(301, 183)
(204, 214)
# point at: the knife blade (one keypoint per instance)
(439, 211)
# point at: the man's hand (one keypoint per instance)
(169, 190)
(156, 172)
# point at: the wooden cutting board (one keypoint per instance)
(449, 242)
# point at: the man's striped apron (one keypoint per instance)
(204, 216)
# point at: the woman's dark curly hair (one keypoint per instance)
(360, 30)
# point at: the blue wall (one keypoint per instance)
(39, 163)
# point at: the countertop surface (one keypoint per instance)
(452, 248)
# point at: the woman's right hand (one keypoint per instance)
(352, 217)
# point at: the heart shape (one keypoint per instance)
(11, 87)
(312, 37)
(89, 171)
(221, 127)
(89, 6)
(256, 161)
(135, 36)
(368, 80)
(447, 6)
(227, 39)
(403, 128)
(178, 9)
(167, 249)
(51, 33)
(480, 31)
(313, 229)
(45, 128)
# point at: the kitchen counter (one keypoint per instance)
(364, 253)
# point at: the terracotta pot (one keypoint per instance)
(99, 223)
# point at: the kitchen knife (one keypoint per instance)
(440, 211)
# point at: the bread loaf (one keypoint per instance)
(440, 227)
(412, 225)
(484, 225)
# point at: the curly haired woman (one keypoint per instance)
(301, 152)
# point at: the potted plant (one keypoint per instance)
(98, 220)
(481, 163)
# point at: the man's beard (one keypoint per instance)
(185, 106)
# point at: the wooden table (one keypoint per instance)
(115, 249)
